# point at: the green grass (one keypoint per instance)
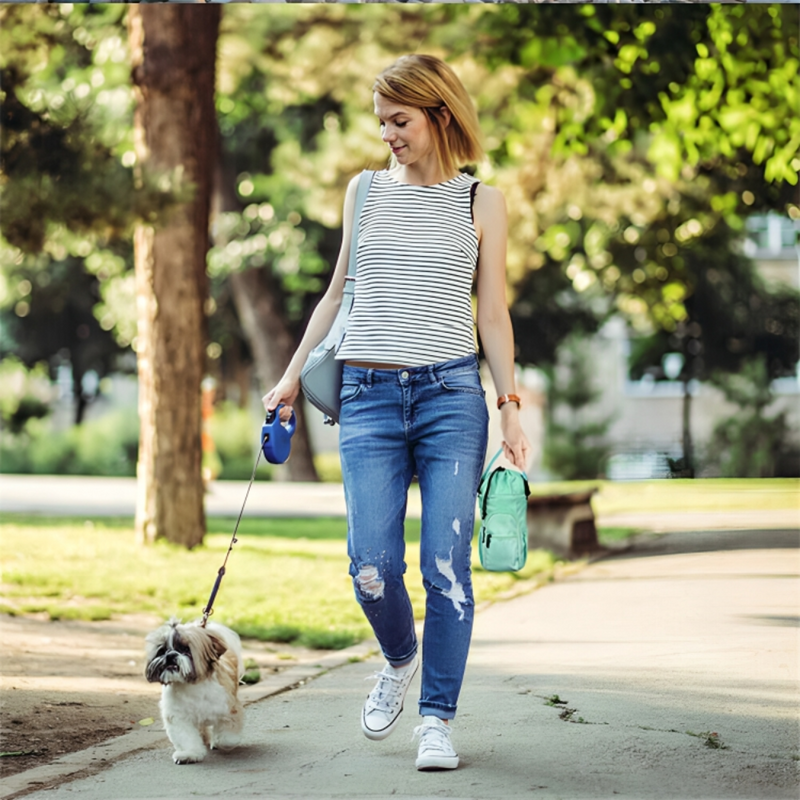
(286, 580)
(252, 672)
(613, 535)
(723, 494)
(710, 740)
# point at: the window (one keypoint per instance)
(771, 235)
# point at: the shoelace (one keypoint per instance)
(386, 694)
(433, 737)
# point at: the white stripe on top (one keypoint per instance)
(415, 262)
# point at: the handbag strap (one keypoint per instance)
(364, 182)
(488, 473)
(490, 465)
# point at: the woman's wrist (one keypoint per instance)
(295, 367)
(511, 400)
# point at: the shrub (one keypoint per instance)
(751, 443)
(105, 446)
(24, 394)
(235, 432)
(575, 446)
(328, 467)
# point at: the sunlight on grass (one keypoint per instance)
(724, 494)
(608, 536)
(286, 579)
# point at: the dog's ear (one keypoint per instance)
(207, 645)
(217, 644)
(153, 641)
(211, 647)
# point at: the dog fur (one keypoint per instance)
(199, 669)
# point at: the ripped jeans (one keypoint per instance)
(430, 422)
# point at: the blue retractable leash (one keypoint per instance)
(276, 444)
(276, 437)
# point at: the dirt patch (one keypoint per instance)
(70, 685)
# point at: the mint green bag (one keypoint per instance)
(503, 500)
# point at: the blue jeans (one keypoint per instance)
(430, 422)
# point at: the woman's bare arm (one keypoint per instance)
(288, 387)
(494, 321)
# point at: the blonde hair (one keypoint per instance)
(427, 83)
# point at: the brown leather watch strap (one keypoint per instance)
(508, 398)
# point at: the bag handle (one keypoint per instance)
(490, 465)
(364, 182)
(488, 472)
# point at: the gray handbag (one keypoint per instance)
(321, 376)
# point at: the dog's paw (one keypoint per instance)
(187, 756)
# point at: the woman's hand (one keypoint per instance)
(284, 393)
(516, 447)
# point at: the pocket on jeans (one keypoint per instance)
(464, 382)
(350, 391)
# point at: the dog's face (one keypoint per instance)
(182, 653)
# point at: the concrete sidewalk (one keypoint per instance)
(73, 495)
(670, 671)
(99, 497)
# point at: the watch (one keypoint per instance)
(508, 398)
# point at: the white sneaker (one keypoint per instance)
(435, 749)
(385, 702)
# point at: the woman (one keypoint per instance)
(412, 401)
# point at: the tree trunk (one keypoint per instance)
(77, 393)
(173, 52)
(688, 454)
(272, 346)
(258, 306)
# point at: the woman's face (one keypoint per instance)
(405, 129)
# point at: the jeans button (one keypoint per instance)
(404, 375)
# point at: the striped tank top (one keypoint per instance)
(415, 263)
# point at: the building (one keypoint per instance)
(647, 414)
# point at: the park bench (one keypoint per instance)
(563, 523)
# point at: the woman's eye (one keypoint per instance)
(401, 124)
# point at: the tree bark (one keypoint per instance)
(272, 346)
(173, 53)
(256, 297)
(688, 448)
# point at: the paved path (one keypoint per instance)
(76, 495)
(674, 669)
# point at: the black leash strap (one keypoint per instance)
(209, 609)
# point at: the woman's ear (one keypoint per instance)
(446, 116)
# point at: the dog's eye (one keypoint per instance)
(182, 648)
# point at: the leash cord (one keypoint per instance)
(209, 609)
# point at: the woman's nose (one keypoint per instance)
(388, 134)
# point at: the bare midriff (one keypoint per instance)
(375, 365)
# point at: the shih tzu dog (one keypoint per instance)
(199, 670)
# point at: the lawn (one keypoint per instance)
(708, 494)
(286, 579)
